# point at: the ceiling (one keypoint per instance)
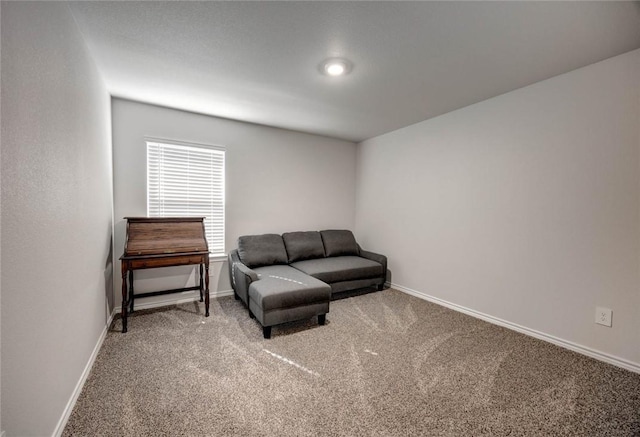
(259, 61)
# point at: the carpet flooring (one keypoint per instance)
(385, 364)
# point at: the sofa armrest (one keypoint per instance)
(377, 258)
(249, 274)
(241, 276)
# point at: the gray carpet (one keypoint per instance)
(386, 364)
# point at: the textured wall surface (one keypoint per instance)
(56, 213)
(276, 181)
(524, 207)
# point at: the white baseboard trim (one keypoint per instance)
(575, 347)
(139, 305)
(83, 378)
(221, 293)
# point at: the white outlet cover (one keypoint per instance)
(604, 316)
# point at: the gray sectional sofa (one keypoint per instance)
(293, 276)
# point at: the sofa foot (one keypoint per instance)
(380, 287)
(266, 331)
(235, 295)
(251, 315)
(322, 318)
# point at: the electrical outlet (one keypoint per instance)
(603, 316)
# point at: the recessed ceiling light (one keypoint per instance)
(336, 67)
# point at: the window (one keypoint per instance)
(188, 180)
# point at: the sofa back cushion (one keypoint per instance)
(303, 245)
(339, 243)
(261, 250)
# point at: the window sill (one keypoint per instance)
(217, 257)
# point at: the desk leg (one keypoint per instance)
(201, 283)
(206, 292)
(125, 302)
(131, 291)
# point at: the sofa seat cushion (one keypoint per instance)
(339, 268)
(262, 250)
(303, 245)
(285, 287)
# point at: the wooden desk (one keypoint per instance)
(163, 242)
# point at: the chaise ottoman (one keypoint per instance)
(283, 294)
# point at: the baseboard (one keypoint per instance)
(141, 305)
(83, 378)
(221, 293)
(584, 350)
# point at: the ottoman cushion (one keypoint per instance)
(283, 286)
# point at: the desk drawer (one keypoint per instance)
(166, 262)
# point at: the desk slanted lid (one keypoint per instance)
(154, 236)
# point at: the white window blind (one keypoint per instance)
(188, 180)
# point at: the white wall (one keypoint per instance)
(524, 207)
(56, 214)
(276, 181)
